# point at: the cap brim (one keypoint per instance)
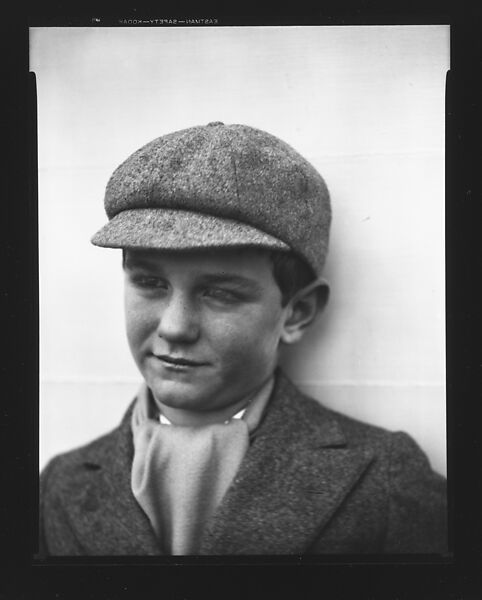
(169, 229)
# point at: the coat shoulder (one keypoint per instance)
(320, 418)
(397, 446)
(86, 455)
(89, 455)
(69, 471)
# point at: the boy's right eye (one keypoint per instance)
(148, 282)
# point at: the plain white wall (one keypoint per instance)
(364, 104)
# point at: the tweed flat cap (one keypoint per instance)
(218, 185)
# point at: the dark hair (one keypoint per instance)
(290, 273)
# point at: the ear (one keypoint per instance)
(302, 310)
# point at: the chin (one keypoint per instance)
(179, 395)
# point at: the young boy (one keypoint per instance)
(224, 231)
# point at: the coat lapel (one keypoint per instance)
(294, 476)
(107, 518)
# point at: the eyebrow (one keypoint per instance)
(230, 278)
(138, 261)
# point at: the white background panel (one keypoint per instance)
(364, 104)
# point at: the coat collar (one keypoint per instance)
(295, 474)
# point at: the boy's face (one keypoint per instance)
(204, 327)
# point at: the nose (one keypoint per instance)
(178, 320)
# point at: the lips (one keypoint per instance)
(179, 361)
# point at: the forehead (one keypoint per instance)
(249, 262)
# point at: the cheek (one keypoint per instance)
(248, 341)
(139, 320)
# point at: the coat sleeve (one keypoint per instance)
(417, 501)
(56, 537)
(43, 485)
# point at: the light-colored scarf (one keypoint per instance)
(180, 473)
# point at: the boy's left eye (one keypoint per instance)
(221, 294)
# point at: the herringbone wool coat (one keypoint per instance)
(312, 482)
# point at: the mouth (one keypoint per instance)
(178, 361)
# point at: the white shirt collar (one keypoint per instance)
(239, 415)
